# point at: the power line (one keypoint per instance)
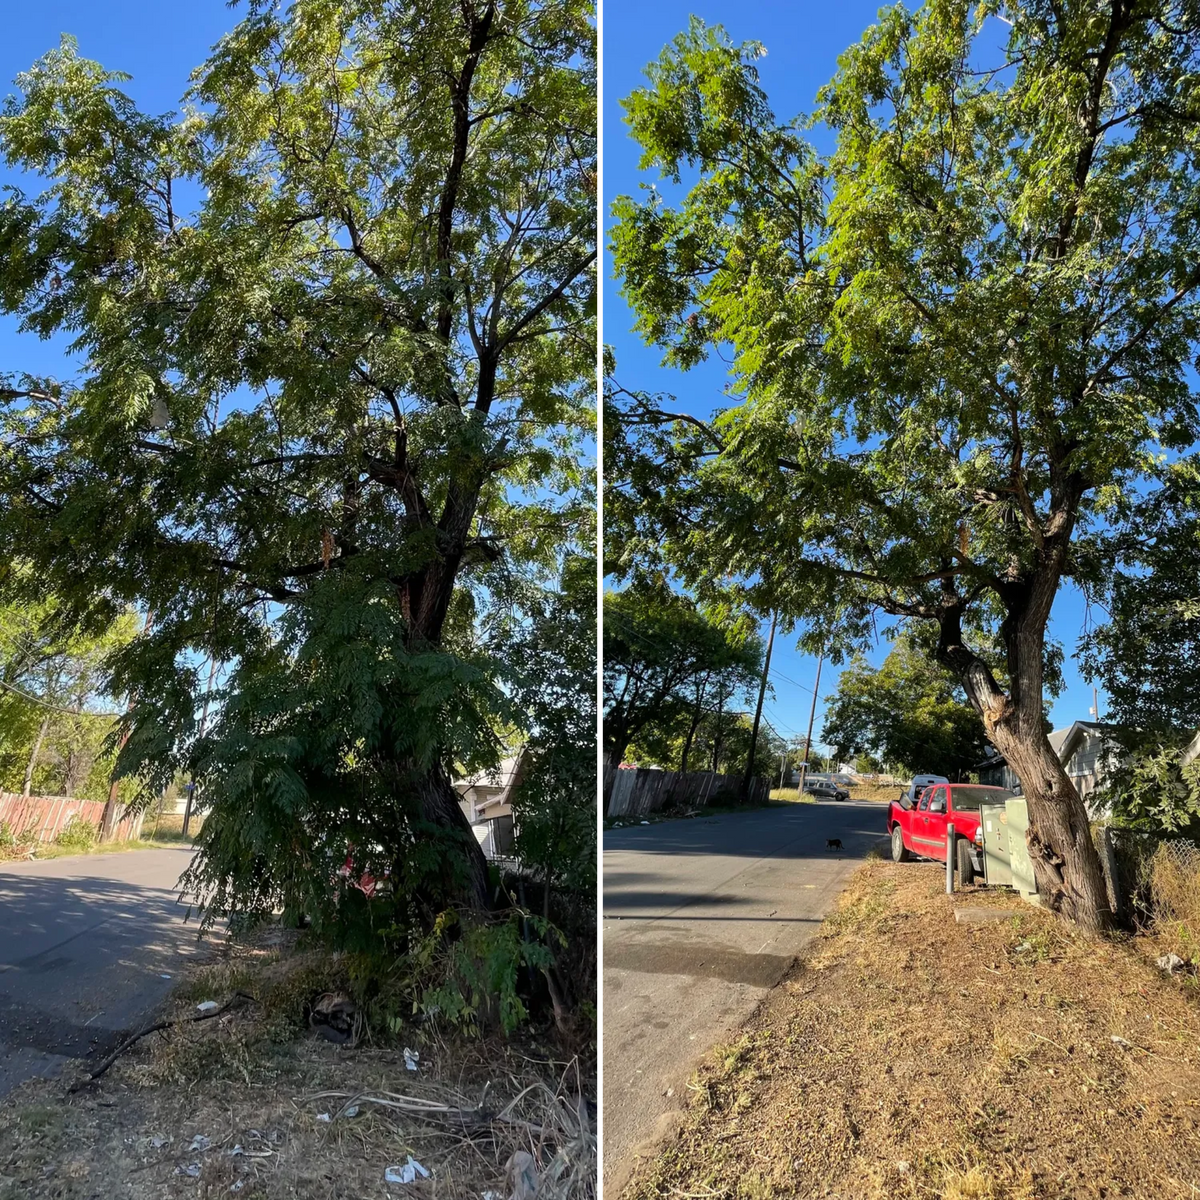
(71, 712)
(801, 686)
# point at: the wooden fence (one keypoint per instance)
(633, 792)
(43, 818)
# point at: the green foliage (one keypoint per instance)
(307, 751)
(77, 834)
(1147, 654)
(909, 714)
(667, 663)
(554, 682)
(470, 981)
(333, 328)
(956, 340)
(1152, 790)
(8, 839)
(52, 671)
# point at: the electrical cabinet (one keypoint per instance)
(1019, 861)
(997, 869)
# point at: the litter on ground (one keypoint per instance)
(409, 1173)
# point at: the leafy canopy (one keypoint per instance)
(333, 337)
(1147, 654)
(957, 342)
(54, 709)
(664, 658)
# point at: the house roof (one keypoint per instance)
(1056, 737)
(500, 777)
(1062, 742)
(1075, 733)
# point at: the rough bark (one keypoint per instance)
(440, 806)
(1065, 862)
(691, 737)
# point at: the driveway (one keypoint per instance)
(89, 946)
(701, 918)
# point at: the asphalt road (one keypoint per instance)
(89, 946)
(701, 918)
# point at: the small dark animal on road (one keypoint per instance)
(833, 843)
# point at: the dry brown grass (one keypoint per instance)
(882, 793)
(917, 1058)
(1175, 886)
(257, 1087)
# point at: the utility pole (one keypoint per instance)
(782, 768)
(762, 691)
(812, 713)
(1095, 704)
(717, 731)
(191, 787)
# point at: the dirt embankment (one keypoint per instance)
(253, 1105)
(915, 1057)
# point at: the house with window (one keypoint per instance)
(1086, 749)
(486, 801)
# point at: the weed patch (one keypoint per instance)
(254, 1103)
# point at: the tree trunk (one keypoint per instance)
(462, 879)
(1066, 866)
(697, 716)
(1065, 863)
(717, 733)
(27, 785)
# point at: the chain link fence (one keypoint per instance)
(1157, 881)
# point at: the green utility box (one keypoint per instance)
(997, 870)
(1019, 862)
(1005, 854)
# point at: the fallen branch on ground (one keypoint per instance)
(157, 1028)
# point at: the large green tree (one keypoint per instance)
(958, 341)
(334, 344)
(55, 716)
(666, 663)
(910, 713)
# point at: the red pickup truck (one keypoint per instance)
(921, 828)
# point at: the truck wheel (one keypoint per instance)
(899, 850)
(966, 869)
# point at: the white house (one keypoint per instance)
(1089, 753)
(486, 801)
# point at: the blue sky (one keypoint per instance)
(803, 42)
(157, 45)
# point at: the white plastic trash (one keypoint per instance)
(409, 1173)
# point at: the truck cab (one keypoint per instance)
(921, 830)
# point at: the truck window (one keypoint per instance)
(969, 798)
(925, 795)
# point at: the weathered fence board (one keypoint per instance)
(634, 792)
(43, 818)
